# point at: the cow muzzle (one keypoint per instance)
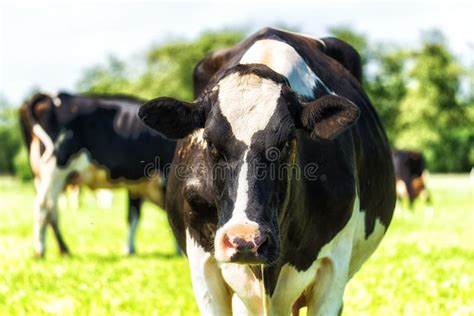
(242, 243)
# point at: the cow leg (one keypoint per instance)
(328, 291)
(54, 221)
(411, 195)
(134, 205)
(45, 209)
(428, 197)
(290, 291)
(212, 294)
(73, 198)
(429, 209)
(400, 203)
(37, 183)
(249, 296)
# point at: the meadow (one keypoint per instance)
(424, 266)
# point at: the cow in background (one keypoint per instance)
(97, 141)
(35, 149)
(410, 171)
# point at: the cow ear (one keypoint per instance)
(328, 116)
(345, 54)
(172, 118)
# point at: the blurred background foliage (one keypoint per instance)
(423, 94)
(10, 138)
(166, 68)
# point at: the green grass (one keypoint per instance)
(424, 266)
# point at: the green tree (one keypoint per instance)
(10, 139)
(433, 118)
(387, 87)
(111, 78)
(168, 68)
(386, 82)
(358, 40)
(471, 85)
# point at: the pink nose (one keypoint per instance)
(242, 238)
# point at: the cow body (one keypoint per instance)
(410, 172)
(94, 141)
(266, 244)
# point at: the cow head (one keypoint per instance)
(250, 119)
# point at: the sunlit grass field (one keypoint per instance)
(424, 266)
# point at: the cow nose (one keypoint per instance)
(241, 242)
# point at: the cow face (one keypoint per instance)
(250, 118)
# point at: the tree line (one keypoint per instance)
(419, 92)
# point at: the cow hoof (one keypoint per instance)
(65, 253)
(130, 252)
(38, 255)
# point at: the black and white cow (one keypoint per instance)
(98, 141)
(283, 184)
(410, 172)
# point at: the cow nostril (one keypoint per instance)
(227, 242)
(243, 245)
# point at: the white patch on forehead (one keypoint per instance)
(238, 214)
(285, 60)
(247, 102)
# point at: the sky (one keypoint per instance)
(48, 44)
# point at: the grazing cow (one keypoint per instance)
(410, 174)
(282, 183)
(93, 140)
(35, 149)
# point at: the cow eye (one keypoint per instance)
(210, 145)
(212, 149)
